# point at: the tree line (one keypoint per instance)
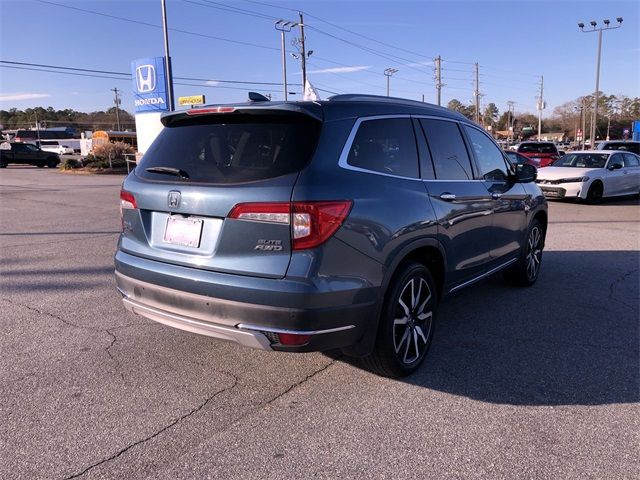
(49, 117)
(615, 113)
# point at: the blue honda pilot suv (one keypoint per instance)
(338, 224)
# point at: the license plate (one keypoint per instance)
(550, 193)
(183, 231)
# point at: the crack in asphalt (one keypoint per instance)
(163, 429)
(114, 339)
(617, 281)
(108, 330)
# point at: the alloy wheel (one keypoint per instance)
(413, 321)
(534, 252)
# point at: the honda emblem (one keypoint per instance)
(174, 199)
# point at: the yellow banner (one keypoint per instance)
(191, 100)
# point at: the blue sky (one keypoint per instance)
(513, 41)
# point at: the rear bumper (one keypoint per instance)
(207, 304)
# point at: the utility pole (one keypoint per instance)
(540, 106)
(35, 110)
(594, 24)
(303, 52)
(116, 101)
(167, 58)
(438, 62)
(510, 105)
(284, 26)
(476, 92)
(387, 73)
(579, 122)
(584, 122)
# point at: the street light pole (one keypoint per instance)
(284, 26)
(594, 24)
(388, 72)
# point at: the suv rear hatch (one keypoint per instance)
(214, 189)
(542, 154)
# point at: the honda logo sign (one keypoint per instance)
(146, 78)
(149, 84)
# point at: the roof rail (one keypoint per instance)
(356, 97)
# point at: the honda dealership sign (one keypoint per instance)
(149, 85)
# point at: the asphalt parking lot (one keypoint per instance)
(520, 383)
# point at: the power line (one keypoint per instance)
(229, 8)
(76, 69)
(126, 79)
(147, 24)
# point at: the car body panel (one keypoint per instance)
(335, 290)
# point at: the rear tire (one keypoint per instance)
(52, 163)
(406, 324)
(594, 194)
(526, 270)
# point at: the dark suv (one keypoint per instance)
(26, 154)
(321, 225)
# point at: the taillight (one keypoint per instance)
(276, 212)
(312, 223)
(127, 202)
(315, 222)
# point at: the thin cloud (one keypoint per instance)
(212, 83)
(12, 97)
(355, 68)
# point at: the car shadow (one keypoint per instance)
(605, 202)
(571, 339)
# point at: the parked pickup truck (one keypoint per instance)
(26, 154)
(56, 147)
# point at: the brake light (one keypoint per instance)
(315, 222)
(277, 212)
(205, 111)
(312, 223)
(127, 202)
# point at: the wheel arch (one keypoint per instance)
(427, 251)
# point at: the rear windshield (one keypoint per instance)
(582, 160)
(243, 149)
(537, 148)
(628, 146)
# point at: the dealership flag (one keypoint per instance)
(310, 93)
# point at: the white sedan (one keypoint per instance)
(591, 175)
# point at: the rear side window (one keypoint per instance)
(450, 157)
(242, 149)
(631, 160)
(385, 145)
(490, 160)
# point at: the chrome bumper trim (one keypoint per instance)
(246, 326)
(247, 338)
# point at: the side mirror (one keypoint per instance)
(614, 166)
(526, 173)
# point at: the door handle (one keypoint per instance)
(496, 196)
(447, 197)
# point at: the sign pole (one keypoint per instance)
(167, 58)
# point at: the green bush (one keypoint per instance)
(102, 163)
(102, 153)
(70, 164)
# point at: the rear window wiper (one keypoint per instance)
(169, 171)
